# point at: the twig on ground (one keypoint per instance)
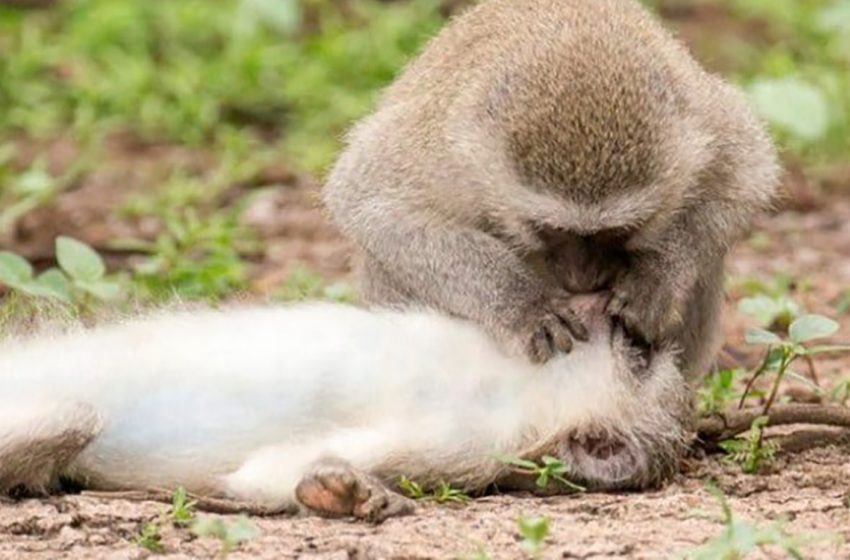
(720, 426)
(803, 440)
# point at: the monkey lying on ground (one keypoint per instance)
(325, 406)
(544, 147)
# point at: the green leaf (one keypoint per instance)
(835, 17)
(516, 462)
(793, 105)
(240, 531)
(761, 336)
(534, 531)
(811, 327)
(105, 290)
(15, 271)
(78, 260)
(52, 283)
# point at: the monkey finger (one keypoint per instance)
(616, 304)
(540, 346)
(559, 334)
(562, 309)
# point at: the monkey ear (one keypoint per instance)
(39, 439)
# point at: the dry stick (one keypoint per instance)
(803, 440)
(726, 425)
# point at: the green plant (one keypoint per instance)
(533, 531)
(303, 283)
(718, 389)
(783, 352)
(771, 310)
(739, 538)
(230, 535)
(442, 493)
(550, 468)
(150, 538)
(193, 257)
(413, 489)
(81, 275)
(479, 554)
(840, 393)
(753, 452)
(182, 508)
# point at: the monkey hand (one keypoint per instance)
(549, 327)
(647, 303)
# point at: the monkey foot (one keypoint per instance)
(334, 488)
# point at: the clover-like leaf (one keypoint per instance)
(78, 260)
(52, 283)
(811, 327)
(104, 290)
(761, 336)
(15, 271)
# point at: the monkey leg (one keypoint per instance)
(39, 439)
(309, 475)
(333, 488)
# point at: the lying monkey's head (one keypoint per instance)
(629, 421)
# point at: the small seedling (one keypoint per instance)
(752, 452)
(550, 469)
(150, 539)
(81, 275)
(230, 535)
(304, 283)
(182, 508)
(193, 257)
(85, 269)
(718, 390)
(442, 494)
(771, 311)
(782, 352)
(739, 538)
(413, 489)
(533, 531)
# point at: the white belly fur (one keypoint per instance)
(193, 396)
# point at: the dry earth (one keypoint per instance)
(811, 489)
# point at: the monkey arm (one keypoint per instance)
(467, 273)
(667, 269)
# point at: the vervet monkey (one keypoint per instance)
(323, 407)
(538, 148)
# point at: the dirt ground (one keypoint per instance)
(811, 490)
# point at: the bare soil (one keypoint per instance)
(810, 489)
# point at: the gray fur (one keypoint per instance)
(532, 144)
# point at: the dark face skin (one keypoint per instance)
(584, 264)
